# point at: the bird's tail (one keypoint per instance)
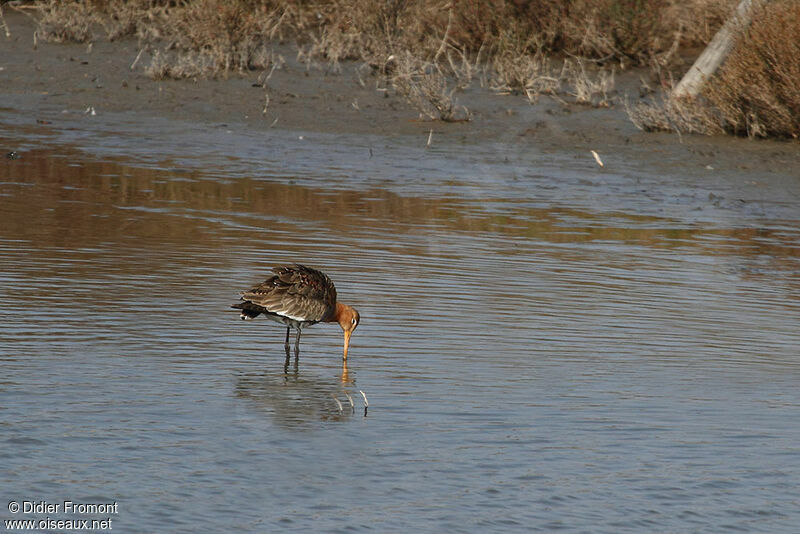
(248, 309)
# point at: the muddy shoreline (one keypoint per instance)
(54, 86)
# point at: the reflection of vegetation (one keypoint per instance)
(95, 202)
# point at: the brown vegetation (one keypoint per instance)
(371, 30)
(426, 87)
(674, 115)
(426, 52)
(755, 93)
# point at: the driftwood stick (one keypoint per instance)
(714, 54)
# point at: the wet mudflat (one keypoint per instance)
(545, 345)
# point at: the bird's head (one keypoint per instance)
(348, 318)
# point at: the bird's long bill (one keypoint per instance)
(346, 344)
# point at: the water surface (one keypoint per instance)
(544, 345)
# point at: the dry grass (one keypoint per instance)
(428, 89)
(59, 23)
(528, 75)
(630, 30)
(199, 38)
(674, 115)
(520, 66)
(219, 36)
(587, 87)
(757, 91)
(166, 65)
(338, 30)
(372, 30)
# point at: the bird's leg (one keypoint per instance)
(286, 363)
(297, 344)
(286, 343)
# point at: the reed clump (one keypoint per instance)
(74, 24)
(632, 31)
(756, 91)
(671, 114)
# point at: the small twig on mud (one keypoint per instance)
(361, 81)
(430, 137)
(138, 56)
(597, 158)
(275, 65)
(266, 103)
(350, 400)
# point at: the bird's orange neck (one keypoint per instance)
(338, 313)
(347, 318)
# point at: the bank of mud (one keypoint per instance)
(53, 86)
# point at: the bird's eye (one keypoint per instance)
(353, 320)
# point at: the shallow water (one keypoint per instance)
(544, 345)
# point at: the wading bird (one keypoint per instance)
(298, 296)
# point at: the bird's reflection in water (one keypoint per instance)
(295, 397)
(345, 376)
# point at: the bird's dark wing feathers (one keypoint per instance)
(297, 292)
